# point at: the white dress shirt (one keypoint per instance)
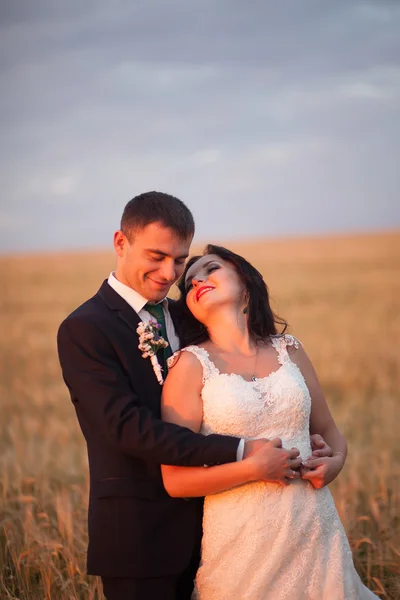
(137, 302)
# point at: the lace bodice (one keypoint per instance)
(276, 405)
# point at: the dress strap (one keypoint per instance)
(202, 356)
(280, 343)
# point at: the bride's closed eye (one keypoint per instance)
(212, 268)
(209, 269)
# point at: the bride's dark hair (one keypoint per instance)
(261, 320)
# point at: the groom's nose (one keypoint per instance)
(168, 270)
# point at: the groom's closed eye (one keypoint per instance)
(161, 257)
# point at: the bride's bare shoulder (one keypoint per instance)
(184, 379)
(184, 359)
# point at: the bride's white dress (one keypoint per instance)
(264, 541)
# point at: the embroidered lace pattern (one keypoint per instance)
(263, 541)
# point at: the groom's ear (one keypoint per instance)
(120, 242)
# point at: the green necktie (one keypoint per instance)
(156, 310)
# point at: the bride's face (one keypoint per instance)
(210, 284)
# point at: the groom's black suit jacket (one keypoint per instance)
(135, 528)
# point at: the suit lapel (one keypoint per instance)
(131, 319)
(115, 302)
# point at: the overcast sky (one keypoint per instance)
(266, 117)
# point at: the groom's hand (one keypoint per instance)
(273, 463)
(252, 446)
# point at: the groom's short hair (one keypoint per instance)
(157, 207)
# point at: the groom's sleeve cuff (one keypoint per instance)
(240, 450)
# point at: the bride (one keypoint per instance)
(261, 540)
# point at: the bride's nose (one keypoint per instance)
(197, 280)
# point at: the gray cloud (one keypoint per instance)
(267, 119)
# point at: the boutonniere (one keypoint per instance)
(150, 341)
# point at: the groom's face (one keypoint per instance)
(151, 260)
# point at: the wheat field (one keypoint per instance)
(341, 297)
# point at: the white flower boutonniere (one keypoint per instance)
(150, 341)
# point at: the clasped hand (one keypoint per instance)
(273, 463)
(321, 467)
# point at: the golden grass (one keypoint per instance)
(341, 296)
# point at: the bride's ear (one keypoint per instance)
(246, 303)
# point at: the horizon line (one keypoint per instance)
(392, 231)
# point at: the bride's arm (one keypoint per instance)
(182, 404)
(321, 421)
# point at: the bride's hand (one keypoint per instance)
(319, 447)
(321, 471)
(275, 464)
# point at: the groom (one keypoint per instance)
(144, 544)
